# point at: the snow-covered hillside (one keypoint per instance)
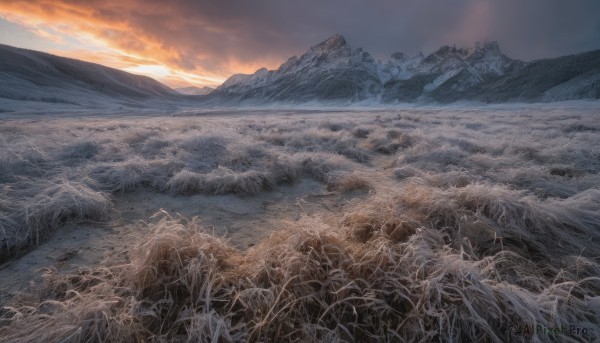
(33, 76)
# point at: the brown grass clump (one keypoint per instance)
(388, 143)
(366, 221)
(348, 182)
(62, 202)
(27, 223)
(220, 181)
(90, 306)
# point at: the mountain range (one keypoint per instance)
(329, 72)
(333, 71)
(193, 90)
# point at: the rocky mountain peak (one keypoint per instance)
(399, 56)
(446, 52)
(334, 43)
(288, 64)
(491, 46)
(486, 49)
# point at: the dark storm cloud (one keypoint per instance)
(222, 37)
(526, 28)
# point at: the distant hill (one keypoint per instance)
(193, 90)
(332, 71)
(27, 75)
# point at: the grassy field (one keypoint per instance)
(439, 224)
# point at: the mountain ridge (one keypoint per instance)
(29, 75)
(329, 72)
(333, 71)
(193, 90)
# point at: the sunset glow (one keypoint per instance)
(202, 43)
(101, 34)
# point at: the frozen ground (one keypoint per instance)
(431, 223)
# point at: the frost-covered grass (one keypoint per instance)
(469, 222)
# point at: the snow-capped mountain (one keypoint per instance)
(563, 78)
(453, 69)
(331, 70)
(33, 76)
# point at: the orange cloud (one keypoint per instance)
(134, 35)
(140, 66)
(115, 60)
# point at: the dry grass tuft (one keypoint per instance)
(60, 203)
(381, 217)
(348, 182)
(220, 181)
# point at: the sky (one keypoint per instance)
(203, 42)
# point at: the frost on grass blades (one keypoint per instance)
(451, 224)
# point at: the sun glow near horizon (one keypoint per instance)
(58, 39)
(171, 77)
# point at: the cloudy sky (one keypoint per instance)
(203, 42)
